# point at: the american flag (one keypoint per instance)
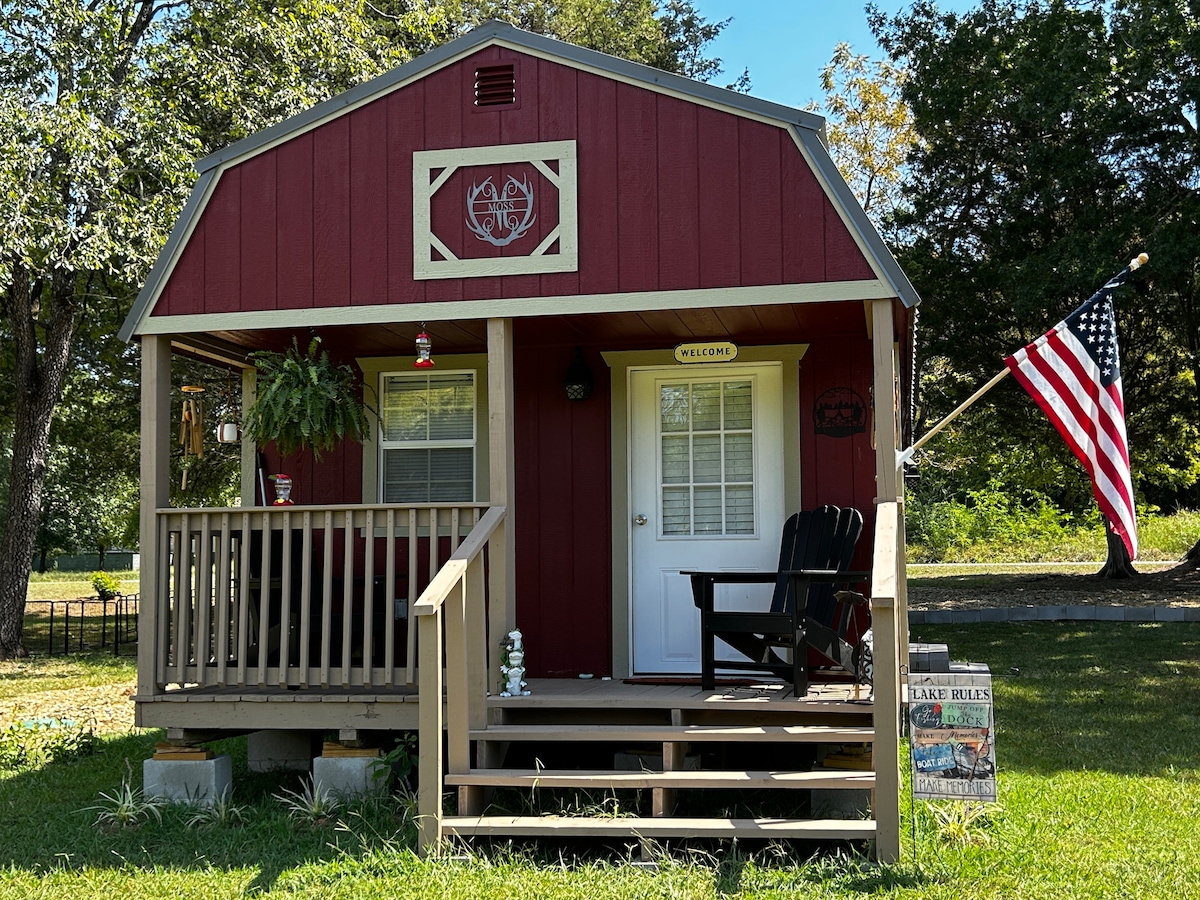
(1073, 372)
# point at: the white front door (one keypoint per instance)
(706, 493)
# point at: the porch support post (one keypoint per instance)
(155, 493)
(249, 463)
(502, 479)
(886, 602)
(885, 581)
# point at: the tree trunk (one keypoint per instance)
(38, 378)
(1118, 564)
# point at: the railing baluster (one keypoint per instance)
(223, 588)
(201, 640)
(389, 597)
(327, 598)
(183, 600)
(305, 594)
(285, 600)
(264, 598)
(368, 643)
(242, 642)
(475, 637)
(433, 543)
(347, 597)
(458, 745)
(410, 656)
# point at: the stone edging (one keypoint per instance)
(1054, 614)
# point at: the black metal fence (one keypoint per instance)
(85, 623)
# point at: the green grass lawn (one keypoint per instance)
(1098, 727)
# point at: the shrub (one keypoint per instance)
(105, 585)
(33, 743)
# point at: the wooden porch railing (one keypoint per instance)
(296, 596)
(453, 607)
(888, 606)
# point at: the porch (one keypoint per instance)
(231, 652)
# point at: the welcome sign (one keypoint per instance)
(952, 736)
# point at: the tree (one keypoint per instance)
(1033, 182)
(103, 107)
(870, 128)
(91, 178)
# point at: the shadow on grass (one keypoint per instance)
(1103, 696)
(51, 822)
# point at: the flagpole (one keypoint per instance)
(903, 456)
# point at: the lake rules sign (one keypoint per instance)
(952, 736)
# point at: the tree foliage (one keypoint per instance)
(103, 107)
(870, 128)
(1057, 140)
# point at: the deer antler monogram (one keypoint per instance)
(500, 216)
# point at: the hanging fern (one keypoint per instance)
(305, 401)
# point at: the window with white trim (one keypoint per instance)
(427, 437)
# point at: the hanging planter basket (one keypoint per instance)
(304, 401)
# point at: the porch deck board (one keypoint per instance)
(634, 828)
(680, 733)
(567, 693)
(599, 778)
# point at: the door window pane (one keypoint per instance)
(706, 461)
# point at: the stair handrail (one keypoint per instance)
(434, 596)
(454, 602)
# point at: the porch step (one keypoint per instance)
(832, 734)
(641, 827)
(616, 780)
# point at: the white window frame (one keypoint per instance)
(472, 442)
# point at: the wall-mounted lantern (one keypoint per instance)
(578, 380)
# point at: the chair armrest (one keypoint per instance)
(733, 577)
(829, 575)
(702, 584)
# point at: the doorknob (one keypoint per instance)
(639, 520)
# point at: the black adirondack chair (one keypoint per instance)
(807, 610)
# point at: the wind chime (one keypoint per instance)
(191, 426)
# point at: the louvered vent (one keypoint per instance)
(495, 86)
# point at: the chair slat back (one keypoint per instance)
(822, 538)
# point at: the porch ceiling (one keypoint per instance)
(748, 325)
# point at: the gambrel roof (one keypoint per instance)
(870, 272)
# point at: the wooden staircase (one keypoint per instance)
(760, 738)
(685, 727)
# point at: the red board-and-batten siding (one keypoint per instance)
(672, 195)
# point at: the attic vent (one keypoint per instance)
(495, 86)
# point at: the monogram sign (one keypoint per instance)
(500, 217)
(503, 210)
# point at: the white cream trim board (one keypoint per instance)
(566, 233)
(576, 304)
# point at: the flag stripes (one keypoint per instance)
(1073, 373)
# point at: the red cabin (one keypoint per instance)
(660, 323)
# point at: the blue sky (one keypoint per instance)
(785, 43)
